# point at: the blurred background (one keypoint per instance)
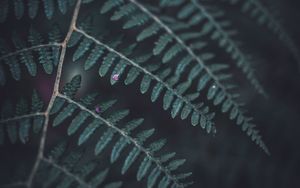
(228, 159)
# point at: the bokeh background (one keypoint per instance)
(228, 159)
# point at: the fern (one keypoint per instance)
(20, 119)
(220, 30)
(137, 68)
(214, 81)
(32, 8)
(258, 11)
(60, 163)
(124, 137)
(24, 52)
(165, 55)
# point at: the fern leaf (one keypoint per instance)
(172, 52)
(148, 32)
(136, 20)
(88, 131)
(55, 36)
(118, 148)
(19, 8)
(143, 168)
(26, 57)
(124, 10)
(35, 38)
(83, 47)
(33, 6)
(110, 4)
(72, 87)
(62, 5)
(219, 33)
(137, 68)
(104, 141)
(77, 122)
(11, 61)
(162, 43)
(18, 127)
(258, 11)
(64, 114)
(93, 57)
(107, 63)
(49, 8)
(125, 139)
(152, 178)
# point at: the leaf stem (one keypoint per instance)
(54, 93)
(30, 48)
(22, 117)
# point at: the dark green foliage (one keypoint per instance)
(17, 120)
(64, 170)
(220, 29)
(109, 125)
(31, 8)
(120, 60)
(165, 47)
(212, 77)
(263, 16)
(25, 52)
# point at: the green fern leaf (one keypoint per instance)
(104, 141)
(62, 5)
(152, 178)
(64, 114)
(118, 148)
(130, 159)
(93, 57)
(145, 84)
(77, 122)
(83, 47)
(26, 57)
(19, 8)
(33, 6)
(107, 63)
(88, 131)
(49, 8)
(148, 32)
(143, 168)
(72, 87)
(172, 52)
(161, 44)
(124, 10)
(110, 4)
(136, 20)
(35, 38)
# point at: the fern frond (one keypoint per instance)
(63, 170)
(32, 7)
(24, 53)
(214, 82)
(162, 83)
(19, 120)
(221, 31)
(258, 11)
(165, 174)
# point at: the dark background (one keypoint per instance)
(228, 159)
